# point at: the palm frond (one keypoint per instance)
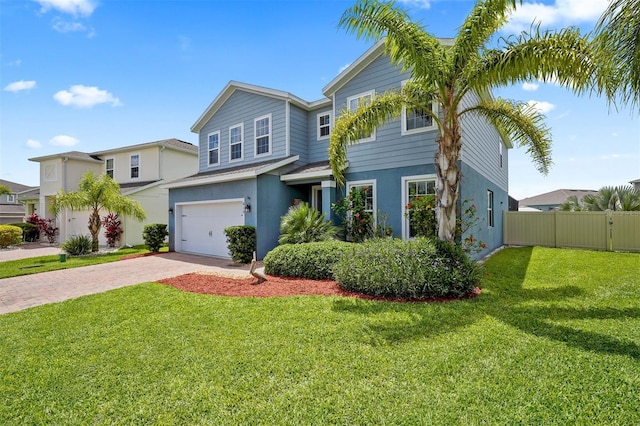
(407, 43)
(523, 124)
(618, 42)
(351, 125)
(564, 57)
(480, 25)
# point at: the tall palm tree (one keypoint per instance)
(96, 194)
(618, 38)
(447, 73)
(615, 198)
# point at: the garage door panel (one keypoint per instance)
(203, 227)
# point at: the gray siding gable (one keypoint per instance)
(244, 107)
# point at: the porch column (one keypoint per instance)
(328, 198)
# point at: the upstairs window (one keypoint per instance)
(262, 130)
(11, 198)
(324, 125)
(352, 104)
(417, 120)
(236, 136)
(214, 148)
(109, 167)
(135, 166)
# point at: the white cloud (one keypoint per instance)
(63, 140)
(560, 12)
(33, 144)
(530, 87)
(542, 106)
(422, 4)
(85, 97)
(72, 7)
(15, 63)
(67, 27)
(18, 86)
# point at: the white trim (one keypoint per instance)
(11, 198)
(113, 167)
(209, 163)
(328, 184)
(367, 182)
(139, 166)
(314, 197)
(371, 94)
(318, 126)
(405, 198)
(232, 176)
(235, 126)
(403, 119)
(490, 209)
(354, 68)
(268, 135)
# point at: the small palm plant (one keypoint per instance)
(304, 224)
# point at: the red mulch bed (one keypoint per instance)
(273, 287)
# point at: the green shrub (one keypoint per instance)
(10, 235)
(414, 269)
(241, 241)
(77, 245)
(154, 235)
(29, 231)
(304, 224)
(312, 260)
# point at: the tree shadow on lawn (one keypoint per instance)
(532, 310)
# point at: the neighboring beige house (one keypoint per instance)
(551, 200)
(139, 169)
(636, 184)
(11, 209)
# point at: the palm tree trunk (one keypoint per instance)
(448, 179)
(94, 228)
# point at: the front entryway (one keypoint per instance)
(200, 226)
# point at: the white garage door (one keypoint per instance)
(202, 226)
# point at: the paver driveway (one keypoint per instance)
(22, 292)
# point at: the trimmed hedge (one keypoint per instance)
(29, 231)
(10, 235)
(310, 260)
(415, 269)
(241, 241)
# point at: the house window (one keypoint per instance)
(135, 166)
(370, 189)
(352, 104)
(11, 198)
(214, 148)
(109, 167)
(500, 145)
(262, 127)
(236, 135)
(490, 208)
(416, 187)
(417, 120)
(324, 125)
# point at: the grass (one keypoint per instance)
(554, 338)
(34, 265)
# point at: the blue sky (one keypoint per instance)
(92, 75)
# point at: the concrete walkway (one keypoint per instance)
(23, 292)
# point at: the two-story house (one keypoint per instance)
(261, 150)
(139, 169)
(12, 210)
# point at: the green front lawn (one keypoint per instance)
(34, 265)
(554, 338)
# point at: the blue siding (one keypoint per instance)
(481, 146)
(390, 149)
(474, 187)
(244, 107)
(389, 191)
(317, 148)
(298, 133)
